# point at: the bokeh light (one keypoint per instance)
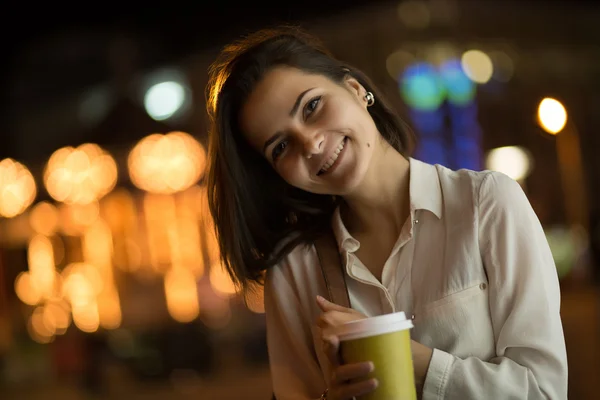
(57, 314)
(166, 163)
(460, 90)
(397, 62)
(27, 289)
(422, 88)
(80, 175)
(503, 65)
(514, 161)
(552, 115)
(40, 331)
(221, 281)
(17, 188)
(44, 218)
(164, 99)
(439, 52)
(42, 267)
(181, 295)
(477, 66)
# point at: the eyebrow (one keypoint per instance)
(293, 112)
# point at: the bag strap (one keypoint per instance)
(332, 269)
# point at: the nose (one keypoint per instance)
(313, 144)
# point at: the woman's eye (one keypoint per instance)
(278, 149)
(311, 106)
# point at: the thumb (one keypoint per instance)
(326, 305)
(331, 347)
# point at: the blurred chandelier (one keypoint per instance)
(17, 188)
(166, 163)
(80, 175)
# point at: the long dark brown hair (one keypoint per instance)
(259, 218)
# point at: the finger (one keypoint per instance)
(331, 347)
(335, 318)
(357, 389)
(326, 305)
(352, 371)
(323, 321)
(330, 318)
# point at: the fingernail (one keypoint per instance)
(371, 366)
(319, 298)
(375, 382)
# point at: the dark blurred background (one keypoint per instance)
(110, 285)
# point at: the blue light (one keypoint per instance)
(431, 151)
(428, 122)
(460, 89)
(421, 87)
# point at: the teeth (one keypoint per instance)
(334, 157)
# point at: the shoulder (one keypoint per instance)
(461, 178)
(504, 207)
(481, 185)
(295, 273)
(461, 189)
(500, 191)
(291, 286)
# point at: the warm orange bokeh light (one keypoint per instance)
(27, 289)
(166, 164)
(109, 310)
(42, 269)
(40, 330)
(44, 218)
(76, 218)
(181, 295)
(220, 280)
(86, 317)
(57, 315)
(17, 188)
(80, 175)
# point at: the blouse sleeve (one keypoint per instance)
(295, 371)
(531, 361)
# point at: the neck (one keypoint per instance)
(383, 196)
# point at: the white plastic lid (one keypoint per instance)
(372, 326)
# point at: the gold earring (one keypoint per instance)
(370, 98)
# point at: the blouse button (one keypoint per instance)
(483, 286)
(412, 317)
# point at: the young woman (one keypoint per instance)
(303, 144)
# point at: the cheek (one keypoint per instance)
(292, 170)
(340, 113)
(288, 169)
(347, 115)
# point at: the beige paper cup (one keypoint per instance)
(385, 341)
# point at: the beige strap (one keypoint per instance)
(332, 269)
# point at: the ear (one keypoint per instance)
(356, 88)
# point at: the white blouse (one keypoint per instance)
(473, 268)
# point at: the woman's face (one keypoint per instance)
(318, 135)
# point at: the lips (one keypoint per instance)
(332, 159)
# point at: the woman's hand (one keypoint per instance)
(333, 315)
(347, 380)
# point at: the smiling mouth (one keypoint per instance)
(332, 160)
